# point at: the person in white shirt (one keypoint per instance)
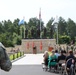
(56, 53)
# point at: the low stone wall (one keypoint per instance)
(9, 49)
(37, 42)
(33, 42)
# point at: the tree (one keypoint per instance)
(45, 32)
(50, 28)
(64, 39)
(51, 31)
(71, 27)
(38, 33)
(32, 33)
(16, 26)
(10, 32)
(62, 26)
(1, 28)
(26, 33)
(34, 24)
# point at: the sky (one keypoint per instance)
(13, 9)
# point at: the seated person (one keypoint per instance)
(56, 53)
(61, 57)
(46, 56)
(52, 60)
(64, 51)
(70, 60)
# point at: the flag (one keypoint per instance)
(21, 22)
(40, 14)
(41, 45)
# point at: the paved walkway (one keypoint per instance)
(30, 64)
(30, 59)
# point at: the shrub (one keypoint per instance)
(64, 39)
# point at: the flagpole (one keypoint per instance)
(24, 31)
(57, 27)
(40, 21)
(24, 27)
(21, 32)
(40, 28)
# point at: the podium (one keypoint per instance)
(34, 50)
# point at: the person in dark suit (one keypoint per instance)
(61, 57)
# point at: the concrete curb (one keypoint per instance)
(18, 58)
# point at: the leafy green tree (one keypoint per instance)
(16, 26)
(62, 25)
(71, 28)
(11, 33)
(1, 28)
(34, 24)
(64, 39)
(50, 28)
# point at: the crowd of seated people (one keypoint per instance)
(56, 59)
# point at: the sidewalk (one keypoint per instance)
(30, 59)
